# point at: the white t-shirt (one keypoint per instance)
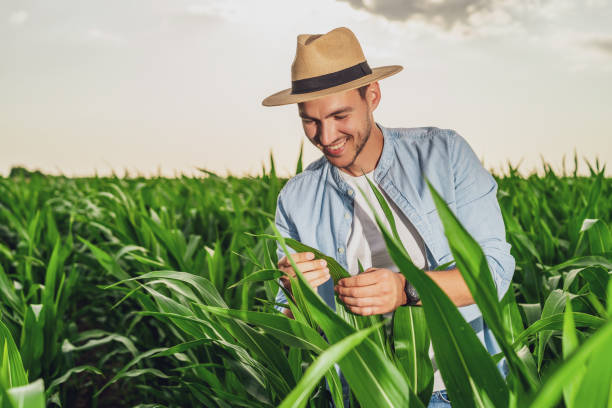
(366, 243)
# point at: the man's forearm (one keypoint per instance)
(452, 283)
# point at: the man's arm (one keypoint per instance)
(478, 211)
(282, 223)
(379, 290)
(452, 283)
(315, 271)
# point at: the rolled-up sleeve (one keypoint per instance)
(287, 230)
(479, 212)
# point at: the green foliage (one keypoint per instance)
(125, 292)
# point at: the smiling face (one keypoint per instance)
(341, 126)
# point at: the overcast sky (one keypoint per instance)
(91, 86)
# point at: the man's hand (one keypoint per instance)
(314, 270)
(374, 291)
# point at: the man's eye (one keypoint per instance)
(339, 117)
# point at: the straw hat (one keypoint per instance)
(325, 64)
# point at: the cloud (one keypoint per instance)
(451, 14)
(446, 13)
(18, 17)
(602, 44)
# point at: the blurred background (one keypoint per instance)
(166, 87)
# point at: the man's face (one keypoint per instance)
(338, 124)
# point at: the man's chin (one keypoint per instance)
(340, 162)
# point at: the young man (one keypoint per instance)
(337, 93)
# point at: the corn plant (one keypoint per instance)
(126, 291)
(468, 371)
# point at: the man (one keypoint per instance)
(337, 93)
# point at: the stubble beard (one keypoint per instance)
(362, 145)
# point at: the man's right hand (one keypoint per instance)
(314, 270)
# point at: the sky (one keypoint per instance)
(169, 87)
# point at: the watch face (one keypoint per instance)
(412, 295)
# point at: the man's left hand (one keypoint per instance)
(374, 291)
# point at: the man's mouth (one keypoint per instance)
(337, 148)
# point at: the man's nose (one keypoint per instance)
(327, 133)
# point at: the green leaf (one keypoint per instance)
(598, 278)
(74, 370)
(8, 292)
(598, 236)
(474, 268)
(555, 303)
(32, 339)
(467, 369)
(299, 166)
(125, 372)
(386, 210)
(591, 260)
(289, 331)
(12, 373)
(106, 260)
(203, 286)
(570, 343)
(549, 394)
(298, 397)
(336, 271)
(411, 343)
(335, 387)
(258, 276)
(511, 315)
(354, 320)
(375, 380)
(28, 396)
(555, 322)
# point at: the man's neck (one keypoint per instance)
(367, 160)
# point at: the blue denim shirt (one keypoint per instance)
(316, 206)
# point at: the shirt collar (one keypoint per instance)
(385, 161)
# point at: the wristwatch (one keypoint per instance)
(412, 295)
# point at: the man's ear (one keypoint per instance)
(373, 95)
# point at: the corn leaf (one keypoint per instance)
(474, 268)
(374, 379)
(28, 396)
(551, 390)
(12, 373)
(298, 397)
(468, 370)
(411, 344)
(570, 343)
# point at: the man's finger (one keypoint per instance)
(312, 265)
(318, 282)
(362, 301)
(305, 266)
(297, 258)
(363, 279)
(364, 311)
(317, 274)
(358, 291)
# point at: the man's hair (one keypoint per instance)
(362, 91)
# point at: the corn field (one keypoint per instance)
(136, 292)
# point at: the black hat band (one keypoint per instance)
(321, 82)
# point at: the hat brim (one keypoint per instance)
(285, 97)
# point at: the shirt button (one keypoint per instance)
(347, 216)
(350, 192)
(341, 250)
